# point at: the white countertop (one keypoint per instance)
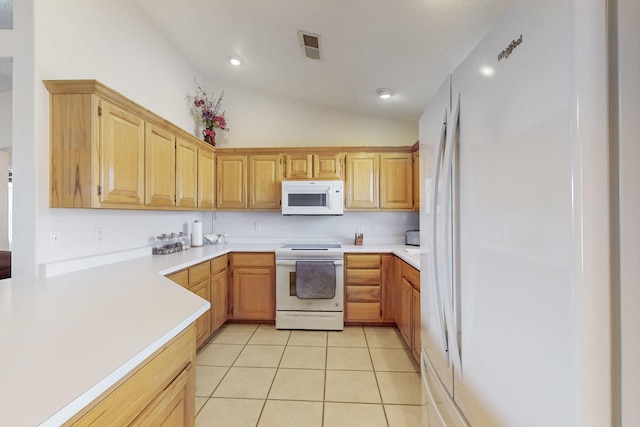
(66, 339)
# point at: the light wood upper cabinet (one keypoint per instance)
(361, 183)
(108, 152)
(121, 156)
(379, 181)
(396, 181)
(231, 181)
(160, 160)
(298, 166)
(313, 166)
(206, 176)
(186, 174)
(265, 181)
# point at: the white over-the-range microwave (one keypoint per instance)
(312, 198)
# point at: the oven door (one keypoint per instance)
(286, 285)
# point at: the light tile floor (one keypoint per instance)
(256, 375)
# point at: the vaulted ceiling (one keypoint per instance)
(408, 46)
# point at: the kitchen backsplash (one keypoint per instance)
(245, 227)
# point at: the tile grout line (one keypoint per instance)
(375, 375)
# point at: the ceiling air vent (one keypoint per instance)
(311, 44)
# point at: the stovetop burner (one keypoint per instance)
(293, 251)
(311, 246)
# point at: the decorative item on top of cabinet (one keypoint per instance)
(253, 290)
(313, 166)
(97, 150)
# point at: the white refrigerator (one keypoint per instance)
(521, 323)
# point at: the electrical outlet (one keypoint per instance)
(54, 238)
(374, 226)
(99, 234)
(258, 226)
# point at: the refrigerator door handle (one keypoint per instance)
(451, 290)
(436, 270)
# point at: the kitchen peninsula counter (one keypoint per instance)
(66, 339)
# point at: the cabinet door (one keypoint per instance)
(206, 189)
(203, 324)
(174, 406)
(218, 300)
(396, 181)
(159, 167)
(265, 180)
(298, 166)
(327, 166)
(121, 156)
(231, 182)
(415, 324)
(389, 284)
(404, 311)
(361, 181)
(254, 293)
(186, 174)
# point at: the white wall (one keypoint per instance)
(261, 119)
(6, 117)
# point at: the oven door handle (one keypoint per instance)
(293, 261)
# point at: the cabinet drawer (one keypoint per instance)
(411, 274)
(180, 277)
(253, 259)
(218, 264)
(362, 261)
(363, 311)
(363, 277)
(199, 272)
(363, 293)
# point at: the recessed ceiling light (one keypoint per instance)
(487, 71)
(385, 93)
(235, 61)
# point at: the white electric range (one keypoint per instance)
(294, 312)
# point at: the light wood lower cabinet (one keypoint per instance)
(253, 291)
(363, 287)
(160, 392)
(219, 292)
(408, 315)
(203, 324)
(209, 281)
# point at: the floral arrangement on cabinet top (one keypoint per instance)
(206, 110)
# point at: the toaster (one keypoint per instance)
(412, 237)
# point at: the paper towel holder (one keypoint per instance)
(196, 233)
